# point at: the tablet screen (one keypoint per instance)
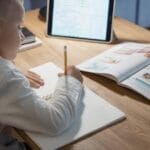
(85, 19)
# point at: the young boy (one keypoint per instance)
(19, 105)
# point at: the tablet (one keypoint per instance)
(80, 19)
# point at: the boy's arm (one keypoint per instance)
(21, 108)
(66, 100)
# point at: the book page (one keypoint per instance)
(140, 82)
(118, 62)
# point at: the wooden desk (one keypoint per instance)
(131, 134)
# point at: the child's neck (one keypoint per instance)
(4, 57)
(12, 61)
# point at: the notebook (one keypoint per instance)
(94, 115)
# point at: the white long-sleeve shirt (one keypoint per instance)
(22, 108)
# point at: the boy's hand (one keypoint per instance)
(74, 72)
(35, 80)
(147, 55)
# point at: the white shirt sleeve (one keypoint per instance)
(22, 108)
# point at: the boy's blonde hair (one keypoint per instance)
(6, 6)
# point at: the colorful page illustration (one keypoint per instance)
(140, 82)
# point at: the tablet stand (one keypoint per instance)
(114, 37)
(42, 13)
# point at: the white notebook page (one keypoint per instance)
(94, 114)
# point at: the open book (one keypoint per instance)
(95, 113)
(125, 63)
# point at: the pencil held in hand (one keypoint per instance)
(65, 60)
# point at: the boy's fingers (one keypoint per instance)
(33, 74)
(34, 84)
(147, 55)
(71, 67)
(38, 80)
(35, 79)
(60, 74)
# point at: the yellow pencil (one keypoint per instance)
(65, 60)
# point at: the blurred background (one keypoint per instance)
(137, 11)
